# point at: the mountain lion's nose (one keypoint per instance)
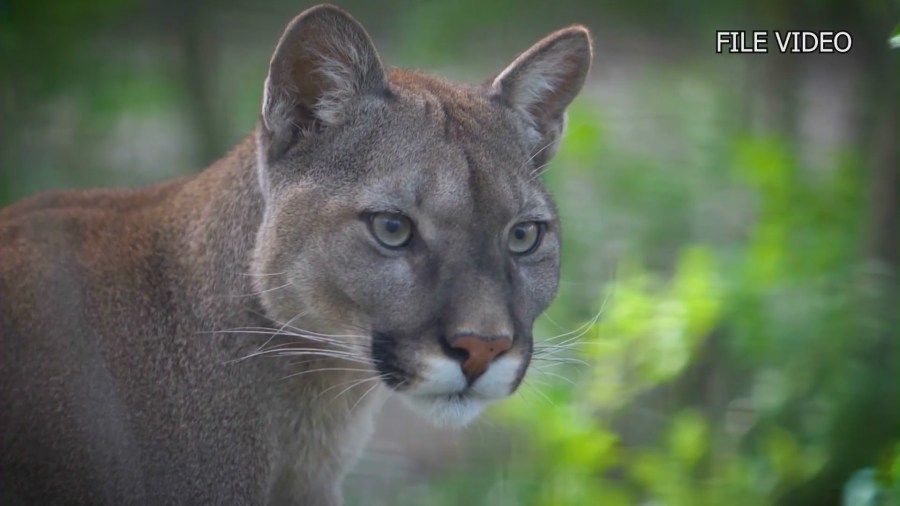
(481, 352)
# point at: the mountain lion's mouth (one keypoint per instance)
(461, 396)
(435, 385)
(447, 410)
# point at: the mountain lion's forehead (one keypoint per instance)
(451, 151)
(454, 111)
(460, 185)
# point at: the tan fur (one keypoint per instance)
(141, 353)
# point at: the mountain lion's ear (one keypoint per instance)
(541, 83)
(324, 61)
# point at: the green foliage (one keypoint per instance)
(787, 306)
(43, 40)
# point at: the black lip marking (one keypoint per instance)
(394, 375)
(384, 354)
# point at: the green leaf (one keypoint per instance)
(688, 438)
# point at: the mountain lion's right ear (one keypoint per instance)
(324, 61)
(542, 82)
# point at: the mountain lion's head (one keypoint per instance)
(408, 209)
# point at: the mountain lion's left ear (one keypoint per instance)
(541, 83)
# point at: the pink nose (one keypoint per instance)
(481, 353)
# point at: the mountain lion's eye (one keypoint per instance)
(525, 237)
(392, 230)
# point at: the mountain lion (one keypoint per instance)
(226, 337)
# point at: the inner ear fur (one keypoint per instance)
(541, 83)
(323, 62)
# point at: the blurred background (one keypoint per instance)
(726, 331)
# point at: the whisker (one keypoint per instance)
(262, 274)
(313, 338)
(541, 394)
(353, 383)
(532, 157)
(552, 349)
(554, 322)
(527, 399)
(335, 338)
(304, 331)
(320, 334)
(554, 361)
(535, 381)
(580, 331)
(253, 294)
(290, 352)
(346, 324)
(326, 369)
(279, 331)
(584, 328)
(289, 349)
(536, 173)
(363, 396)
(554, 375)
(580, 328)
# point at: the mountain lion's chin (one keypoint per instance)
(447, 410)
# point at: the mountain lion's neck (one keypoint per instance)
(216, 216)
